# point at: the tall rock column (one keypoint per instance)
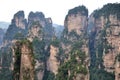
(53, 63)
(74, 45)
(24, 61)
(105, 42)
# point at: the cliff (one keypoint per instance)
(39, 31)
(36, 30)
(46, 23)
(17, 29)
(104, 40)
(88, 48)
(74, 44)
(23, 61)
(76, 20)
(2, 32)
(53, 63)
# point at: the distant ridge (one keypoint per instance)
(4, 25)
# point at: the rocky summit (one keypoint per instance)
(86, 48)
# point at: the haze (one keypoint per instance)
(56, 9)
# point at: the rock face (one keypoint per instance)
(37, 30)
(2, 32)
(24, 61)
(76, 20)
(88, 49)
(16, 31)
(117, 70)
(19, 20)
(105, 29)
(74, 45)
(38, 16)
(17, 28)
(40, 33)
(76, 26)
(46, 23)
(53, 63)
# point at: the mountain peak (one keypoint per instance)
(19, 14)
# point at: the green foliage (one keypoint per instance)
(100, 74)
(82, 70)
(60, 54)
(118, 57)
(81, 55)
(26, 75)
(107, 10)
(77, 45)
(16, 71)
(62, 71)
(55, 43)
(38, 48)
(49, 76)
(17, 64)
(74, 65)
(97, 46)
(81, 9)
(36, 23)
(66, 41)
(74, 34)
(107, 47)
(19, 36)
(7, 58)
(65, 31)
(6, 74)
(64, 38)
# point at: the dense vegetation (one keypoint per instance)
(108, 9)
(49, 75)
(100, 46)
(118, 57)
(17, 63)
(82, 9)
(38, 47)
(75, 64)
(55, 43)
(100, 74)
(72, 67)
(17, 56)
(6, 63)
(72, 63)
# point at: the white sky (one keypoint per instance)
(56, 9)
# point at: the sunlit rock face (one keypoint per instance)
(39, 31)
(23, 61)
(76, 20)
(75, 23)
(105, 29)
(53, 63)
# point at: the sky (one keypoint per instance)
(56, 9)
